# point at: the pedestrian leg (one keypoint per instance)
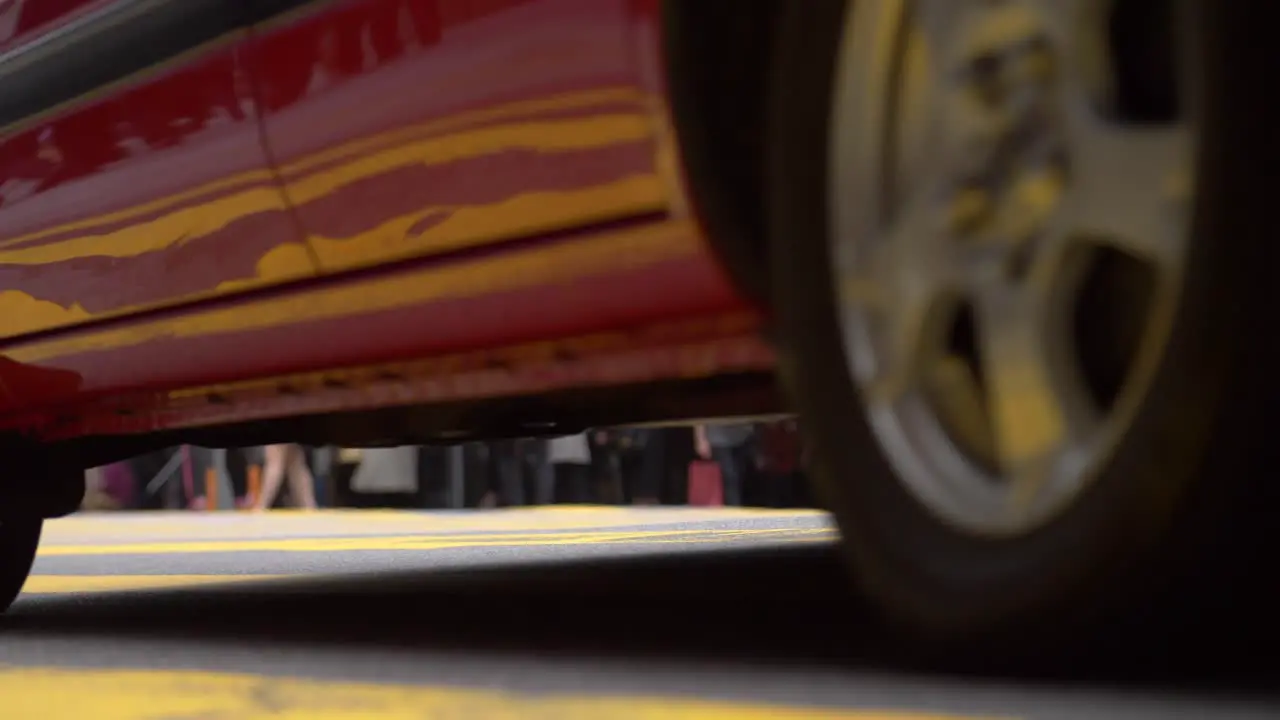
(274, 463)
(730, 474)
(302, 484)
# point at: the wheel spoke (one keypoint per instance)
(1130, 187)
(1034, 419)
(1129, 182)
(901, 286)
(906, 329)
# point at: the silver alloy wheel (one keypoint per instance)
(973, 174)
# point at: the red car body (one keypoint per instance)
(215, 213)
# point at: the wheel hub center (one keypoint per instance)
(1009, 170)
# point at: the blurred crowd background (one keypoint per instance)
(759, 464)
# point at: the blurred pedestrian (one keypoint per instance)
(95, 495)
(505, 474)
(323, 459)
(281, 461)
(537, 473)
(729, 445)
(570, 460)
(677, 452)
(120, 483)
(606, 475)
(779, 455)
(640, 463)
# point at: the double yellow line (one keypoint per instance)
(420, 542)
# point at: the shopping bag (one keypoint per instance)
(706, 486)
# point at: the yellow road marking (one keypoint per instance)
(817, 536)
(63, 584)
(585, 517)
(135, 695)
(409, 542)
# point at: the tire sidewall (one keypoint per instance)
(19, 540)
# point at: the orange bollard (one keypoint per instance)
(254, 489)
(210, 489)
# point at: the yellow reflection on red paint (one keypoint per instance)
(352, 148)
(281, 263)
(22, 313)
(530, 268)
(462, 121)
(184, 224)
(190, 216)
(525, 213)
(463, 226)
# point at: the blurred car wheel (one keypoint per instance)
(1017, 258)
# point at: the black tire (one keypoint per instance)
(18, 543)
(1170, 511)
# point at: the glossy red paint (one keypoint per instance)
(620, 281)
(154, 193)
(411, 127)
(470, 193)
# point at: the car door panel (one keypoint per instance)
(132, 172)
(411, 127)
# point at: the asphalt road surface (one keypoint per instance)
(557, 613)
